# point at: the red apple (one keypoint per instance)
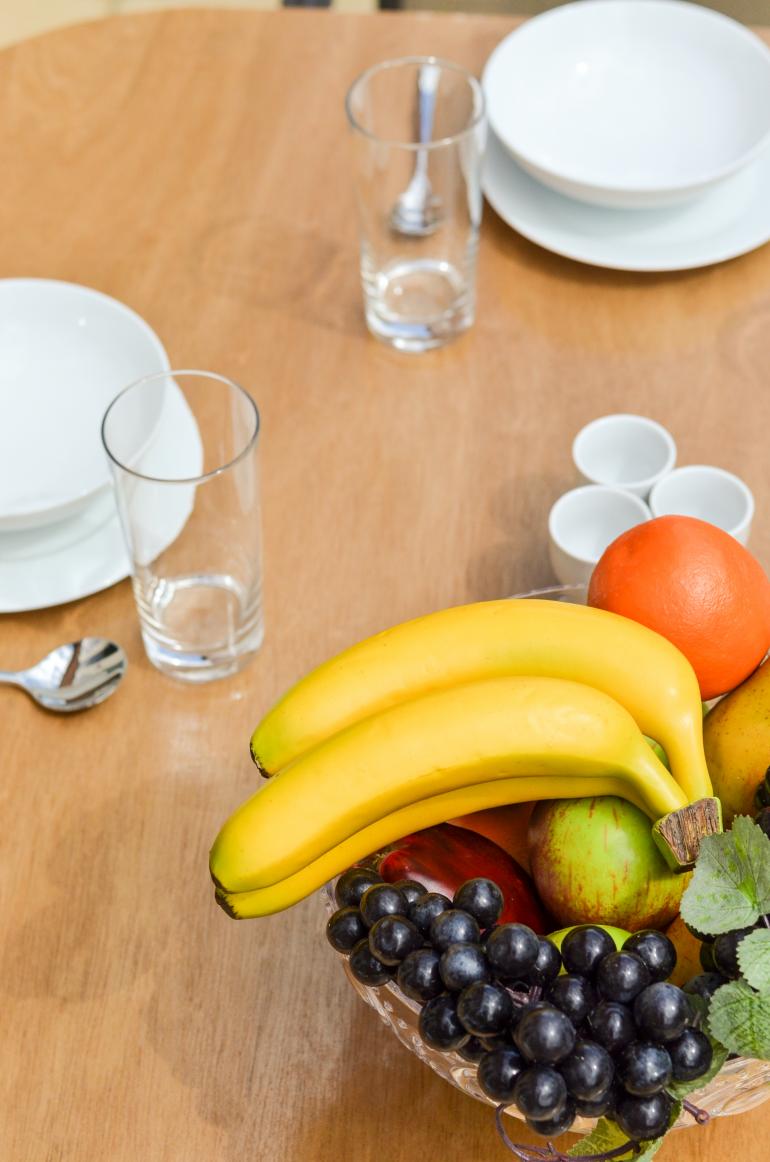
(505, 826)
(444, 857)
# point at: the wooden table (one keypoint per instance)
(194, 165)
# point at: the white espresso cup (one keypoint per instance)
(624, 451)
(583, 522)
(709, 493)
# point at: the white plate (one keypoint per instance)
(74, 558)
(731, 219)
(65, 352)
(630, 103)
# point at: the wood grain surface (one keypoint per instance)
(195, 165)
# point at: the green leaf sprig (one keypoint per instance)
(729, 890)
(754, 958)
(730, 887)
(739, 1017)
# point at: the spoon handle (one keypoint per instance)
(427, 84)
(11, 678)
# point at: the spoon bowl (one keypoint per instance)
(417, 210)
(72, 677)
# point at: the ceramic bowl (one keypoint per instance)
(630, 103)
(709, 493)
(67, 352)
(624, 451)
(583, 522)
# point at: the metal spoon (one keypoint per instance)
(73, 677)
(417, 210)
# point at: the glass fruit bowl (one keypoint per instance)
(740, 1085)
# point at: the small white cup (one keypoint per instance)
(624, 451)
(583, 522)
(709, 493)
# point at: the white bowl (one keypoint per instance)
(583, 522)
(66, 351)
(630, 103)
(625, 451)
(709, 493)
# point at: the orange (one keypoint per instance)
(687, 948)
(695, 585)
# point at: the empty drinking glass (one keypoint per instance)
(419, 132)
(182, 448)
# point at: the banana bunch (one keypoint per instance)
(636, 666)
(469, 708)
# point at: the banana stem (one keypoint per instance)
(678, 835)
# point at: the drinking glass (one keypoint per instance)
(183, 450)
(419, 131)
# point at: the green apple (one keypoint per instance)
(594, 861)
(619, 935)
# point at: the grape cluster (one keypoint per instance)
(606, 1036)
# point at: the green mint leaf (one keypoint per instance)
(603, 1137)
(730, 887)
(680, 1089)
(739, 1018)
(607, 1136)
(754, 958)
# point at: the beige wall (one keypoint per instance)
(23, 18)
(749, 11)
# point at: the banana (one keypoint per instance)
(437, 809)
(638, 667)
(427, 760)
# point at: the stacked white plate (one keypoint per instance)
(632, 134)
(65, 352)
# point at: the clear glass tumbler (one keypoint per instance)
(183, 451)
(419, 132)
